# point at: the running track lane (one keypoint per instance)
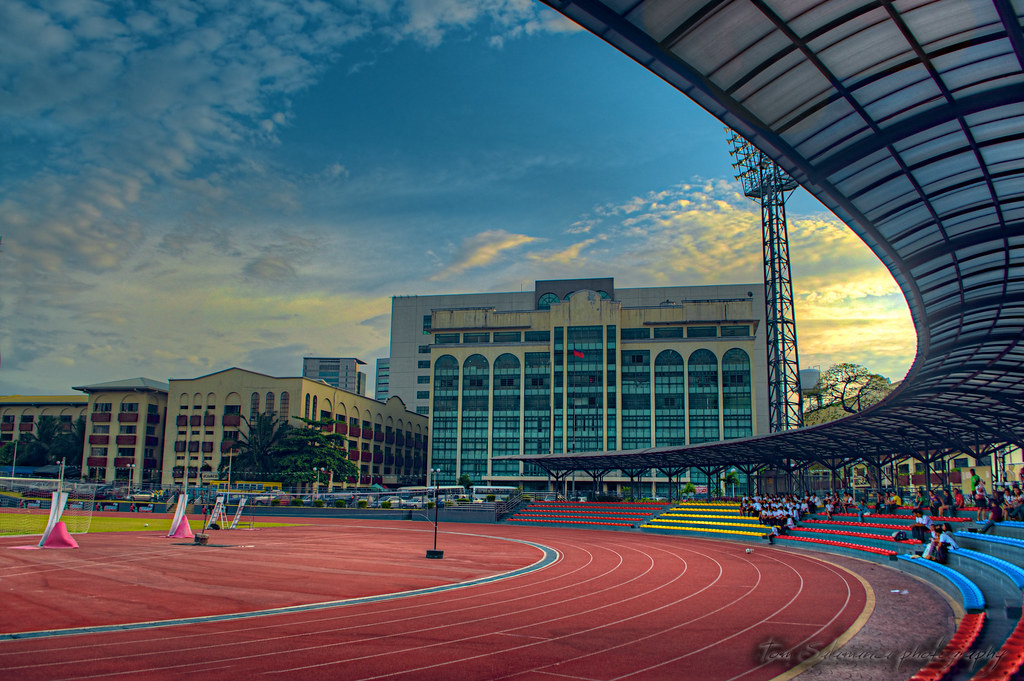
(614, 606)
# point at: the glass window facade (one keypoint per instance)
(703, 397)
(507, 336)
(737, 412)
(506, 390)
(636, 399)
(445, 421)
(475, 417)
(669, 399)
(536, 407)
(585, 388)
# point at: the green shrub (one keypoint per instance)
(385, 504)
(430, 504)
(339, 503)
(362, 503)
(295, 501)
(319, 503)
(491, 497)
(275, 502)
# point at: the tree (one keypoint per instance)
(466, 481)
(40, 447)
(71, 443)
(845, 389)
(302, 451)
(731, 479)
(256, 446)
(6, 454)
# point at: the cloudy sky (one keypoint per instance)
(188, 185)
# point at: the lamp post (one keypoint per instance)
(318, 471)
(131, 476)
(14, 458)
(434, 472)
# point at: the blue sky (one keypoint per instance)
(188, 186)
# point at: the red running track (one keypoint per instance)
(614, 605)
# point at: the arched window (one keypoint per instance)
(305, 411)
(314, 412)
(254, 405)
(505, 426)
(475, 417)
(547, 300)
(703, 396)
(270, 403)
(669, 398)
(737, 413)
(284, 406)
(444, 414)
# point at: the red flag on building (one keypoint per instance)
(577, 353)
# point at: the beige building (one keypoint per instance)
(19, 414)
(124, 431)
(388, 442)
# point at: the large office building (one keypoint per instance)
(578, 365)
(339, 372)
(388, 443)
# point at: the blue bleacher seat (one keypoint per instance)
(1015, 574)
(972, 597)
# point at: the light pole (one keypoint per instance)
(131, 476)
(434, 472)
(318, 471)
(14, 458)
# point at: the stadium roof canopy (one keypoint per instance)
(906, 119)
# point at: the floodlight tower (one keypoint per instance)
(767, 183)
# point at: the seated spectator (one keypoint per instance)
(934, 502)
(922, 526)
(920, 501)
(995, 513)
(942, 542)
(948, 506)
(958, 500)
(1015, 507)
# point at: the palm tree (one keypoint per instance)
(42, 445)
(262, 434)
(70, 444)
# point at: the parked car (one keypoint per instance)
(139, 495)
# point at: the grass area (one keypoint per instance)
(35, 523)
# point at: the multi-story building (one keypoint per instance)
(577, 365)
(339, 372)
(19, 414)
(207, 414)
(125, 431)
(382, 384)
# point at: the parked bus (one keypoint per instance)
(501, 493)
(445, 492)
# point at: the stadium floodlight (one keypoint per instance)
(765, 182)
